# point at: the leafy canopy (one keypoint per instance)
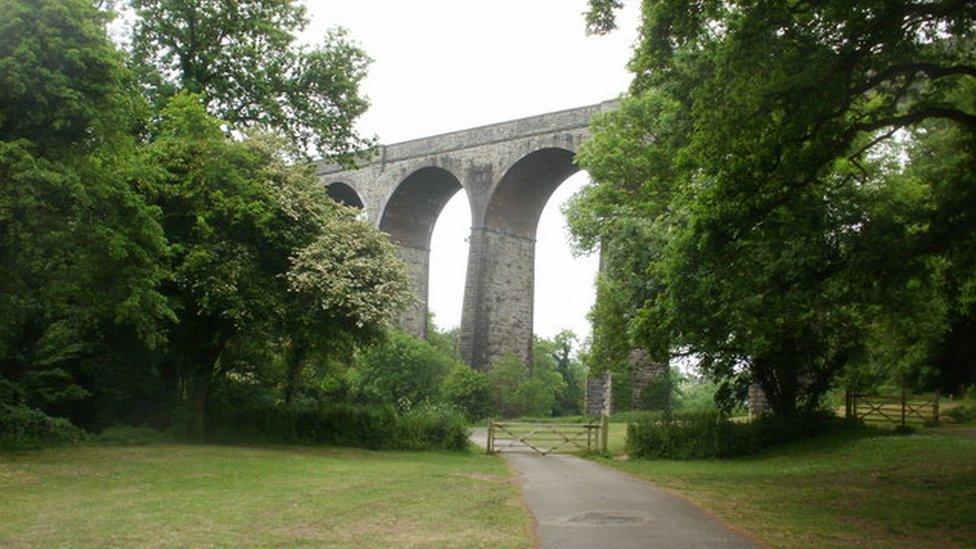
(245, 62)
(749, 202)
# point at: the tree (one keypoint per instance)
(747, 198)
(468, 390)
(562, 351)
(525, 389)
(243, 60)
(402, 371)
(82, 255)
(259, 252)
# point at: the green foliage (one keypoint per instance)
(149, 251)
(22, 427)
(123, 435)
(525, 389)
(244, 60)
(401, 371)
(82, 255)
(60, 76)
(964, 412)
(694, 394)
(431, 427)
(659, 393)
(757, 209)
(468, 390)
(260, 252)
(710, 434)
(446, 342)
(600, 17)
(565, 351)
(689, 435)
(250, 413)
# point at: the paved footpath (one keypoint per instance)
(580, 503)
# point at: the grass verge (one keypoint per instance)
(845, 488)
(189, 495)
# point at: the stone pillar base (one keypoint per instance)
(598, 398)
(757, 401)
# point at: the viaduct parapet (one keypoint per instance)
(508, 171)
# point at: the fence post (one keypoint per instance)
(604, 431)
(903, 407)
(490, 443)
(847, 404)
(935, 408)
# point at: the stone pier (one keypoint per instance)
(507, 171)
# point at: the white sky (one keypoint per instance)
(444, 65)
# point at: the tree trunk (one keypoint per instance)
(296, 360)
(201, 394)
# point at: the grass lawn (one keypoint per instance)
(848, 488)
(190, 495)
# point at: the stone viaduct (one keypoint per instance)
(508, 171)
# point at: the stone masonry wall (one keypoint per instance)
(505, 286)
(413, 320)
(598, 398)
(498, 300)
(757, 400)
(643, 372)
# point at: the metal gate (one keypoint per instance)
(547, 438)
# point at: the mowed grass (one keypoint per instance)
(195, 495)
(841, 489)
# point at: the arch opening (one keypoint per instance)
(415, 204)
(449, 252)
(565, 284)
(409, 217)
(344, 194)
(517, 201)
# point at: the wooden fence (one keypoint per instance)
(547, 438)
(903, 409)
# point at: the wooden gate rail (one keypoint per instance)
(546, 438)
(894, 409)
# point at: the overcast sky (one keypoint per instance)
(444, 65)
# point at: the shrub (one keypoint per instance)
(430, 427)
(468, 390)
(11, 393)
(522, 390)
(22, 427)
(237, 418)
(125, 435)
(686, 435)
(773, 430)
(402, 371)
(963, 413)
(709, 434)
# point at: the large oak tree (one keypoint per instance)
(755, 196)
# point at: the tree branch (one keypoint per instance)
(931, 70)
(961, 117)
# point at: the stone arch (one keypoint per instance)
(411, 210)
(498, 313)
(408, 217)
(516, 201)
(344, 194)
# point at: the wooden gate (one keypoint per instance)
(547, 438)
(900, 409)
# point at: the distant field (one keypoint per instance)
(185, 495)
(843, 489)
